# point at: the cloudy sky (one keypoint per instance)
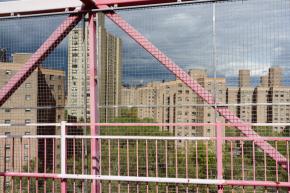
(253, 34)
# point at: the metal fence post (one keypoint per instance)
(63, 156)
(219, 155)
(94, 114)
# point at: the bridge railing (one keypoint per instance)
(138, 163)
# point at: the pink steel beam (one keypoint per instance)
(89, 3)
(45, 49)
(219, 154)
(122, 3)
(134, 2)
(194, 85)
(94, 115)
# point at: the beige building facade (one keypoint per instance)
(173, 102)
(40, 99)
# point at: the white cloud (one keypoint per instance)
(232, 68)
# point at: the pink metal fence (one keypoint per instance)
(133, 163)
(90, 132)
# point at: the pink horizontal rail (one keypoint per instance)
(43, 51)
(149, 179)
(133, 137)
(256, 183)
(194, 85)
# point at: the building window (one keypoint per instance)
(8, 72)
(51, 77)
(59, 87)
(7, 121)
(7, 183)
(27, 133)
(27, 85)
(27, 97)
(51, 87)
(27, 121)
(26, 146)
(7, 110)
(25, 158)
(7, 133)
(27, 110)
(7, 146)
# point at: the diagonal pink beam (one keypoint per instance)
(45, 49)
(195, 86)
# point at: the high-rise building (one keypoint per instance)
(232, 96)
(275, 77)
(35, 101)
(264, 81)
(109, 73)
(244, 78)
(245, 101)
(77, 74)
(260, 99)
(276, 96)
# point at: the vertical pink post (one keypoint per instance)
(95, 168)
(63, 184)
(219, 152)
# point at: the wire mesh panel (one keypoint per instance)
(34, 81)
(191, 97)
(225, 73)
